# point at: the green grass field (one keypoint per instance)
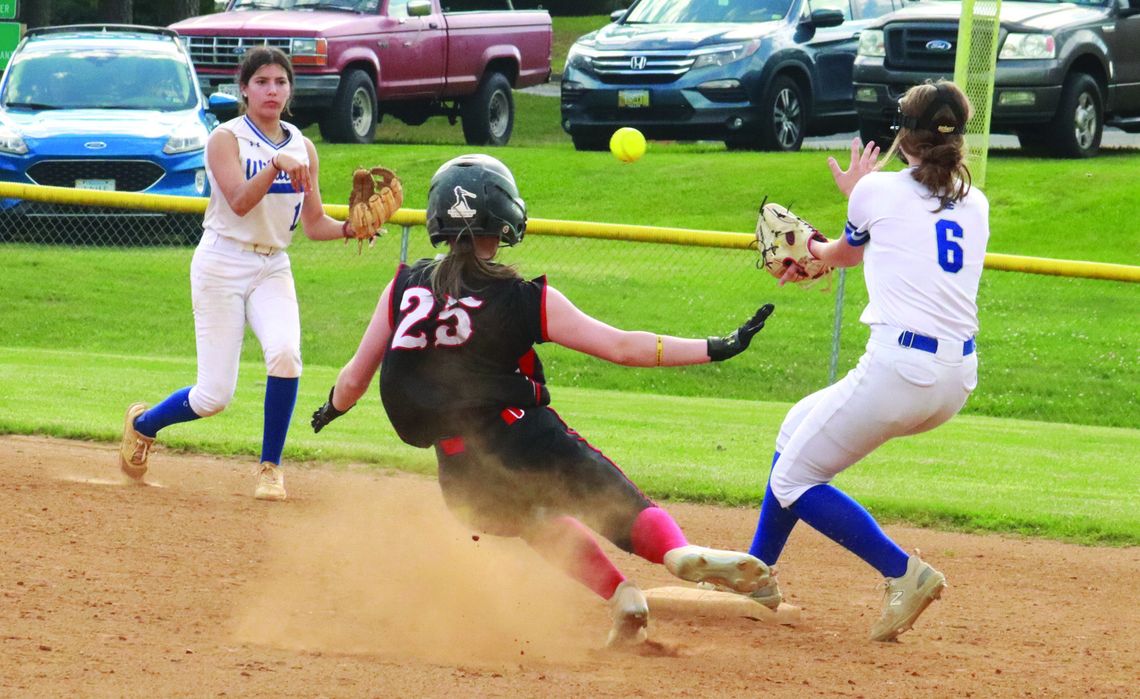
(1047, 445)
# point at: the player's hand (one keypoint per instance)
(861, 164)
(297, 171)
(794, 274)
(326, 413)
(722, 348)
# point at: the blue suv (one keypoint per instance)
(106, 107)
(757, 74)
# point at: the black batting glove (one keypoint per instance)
(721, 348)
(326, 413)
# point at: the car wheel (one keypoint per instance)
(1077, 127)
(783, 115)
(877, 131)
(489, 114)
(592, 140)
(352, 117)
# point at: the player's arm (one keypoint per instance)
(355, 377)
(225, 164)
(567, 325)
(837, 253)
(318, 225)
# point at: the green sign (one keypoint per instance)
(7, 9)
(9, 36)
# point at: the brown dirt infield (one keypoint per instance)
(362, 585)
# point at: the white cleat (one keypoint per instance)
(736, 571)
(768, 595)
(270, 483)
(630, 613)
(134, 449)
(907, 597)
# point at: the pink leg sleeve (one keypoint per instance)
(654, 533)
(569, 545)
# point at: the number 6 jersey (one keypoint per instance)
(921, 265)
(450, 360)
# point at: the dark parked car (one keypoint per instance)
(753, 73)
(1063, 71)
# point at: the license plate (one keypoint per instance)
(228, 89)
(101, 185)
(633, 99)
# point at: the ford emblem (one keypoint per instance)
(938, 45)
(637, 62)
(94, 145)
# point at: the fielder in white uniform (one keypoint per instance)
(921, 235)
(263, 179)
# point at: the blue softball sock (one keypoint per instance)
(280, 398)
(835, 515)
(174, 409)
(774, 527)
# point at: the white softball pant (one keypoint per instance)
(231, 284)
(892, 392)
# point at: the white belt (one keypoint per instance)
(221, 241)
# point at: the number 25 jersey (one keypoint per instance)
(452, 359)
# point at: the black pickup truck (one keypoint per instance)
(1064, 69)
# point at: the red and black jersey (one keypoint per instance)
(452, 359)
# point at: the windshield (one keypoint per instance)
(344, 5)
(706, 11)
(99, 79)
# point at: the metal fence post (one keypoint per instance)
(837, 330)
(407, 233)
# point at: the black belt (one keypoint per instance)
(929, 344)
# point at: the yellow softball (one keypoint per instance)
(627, 144)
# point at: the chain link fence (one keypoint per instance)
(684, 290)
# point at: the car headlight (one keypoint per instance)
(580, 57)
(11, 141)
(309, 52)
(1028, 46)
(871, 43)
(191, 136)
(723, 55)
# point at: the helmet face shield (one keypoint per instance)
(476, 195)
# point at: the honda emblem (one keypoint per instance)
(637, 62)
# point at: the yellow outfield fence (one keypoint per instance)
(159, 203)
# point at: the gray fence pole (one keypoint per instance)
(404, 244)
(838, 329)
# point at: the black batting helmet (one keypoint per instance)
(475, 194)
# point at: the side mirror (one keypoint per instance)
(618, 14)
(223, 106)
(821, 19)
(419, 8)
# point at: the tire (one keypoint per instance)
(877, 131)
(592, 140)
(783, 115)
(352, 118)
(1077, 127)
(489, 114)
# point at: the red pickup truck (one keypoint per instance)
(355, 60)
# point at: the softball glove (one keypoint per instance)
(782, 238)
(377, 194)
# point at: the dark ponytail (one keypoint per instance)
(933, 117)
(462, 268)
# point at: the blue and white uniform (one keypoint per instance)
(922, 267)
(241, 272)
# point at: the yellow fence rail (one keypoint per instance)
(539, 226)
